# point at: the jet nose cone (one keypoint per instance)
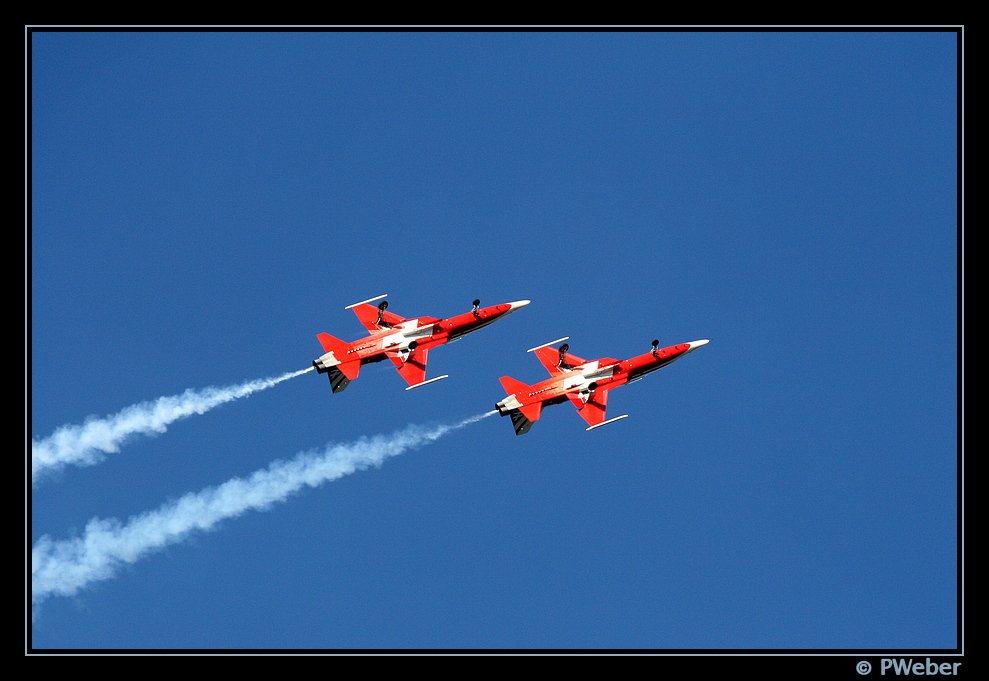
(698, 343)
(518, 304)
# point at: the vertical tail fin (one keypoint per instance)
(523, 416)
(336, 362)
(520, 423)
(338, 382)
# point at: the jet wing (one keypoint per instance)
(594, 410)
(413, 368)
(550, 358)
(368, 316)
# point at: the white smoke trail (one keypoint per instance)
(85, 444)
(64, 567)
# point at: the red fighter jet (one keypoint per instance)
(585, 384)
(406, 342)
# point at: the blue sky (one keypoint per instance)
(203, 205)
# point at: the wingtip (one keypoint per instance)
(369, 300)
(552, 342)
(604, 423)
(432, 380)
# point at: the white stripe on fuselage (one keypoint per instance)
(585, 374)
(402, 334)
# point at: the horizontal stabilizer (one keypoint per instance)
(350, 369)
(513, 387)
(334, 345)
(532, 411)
